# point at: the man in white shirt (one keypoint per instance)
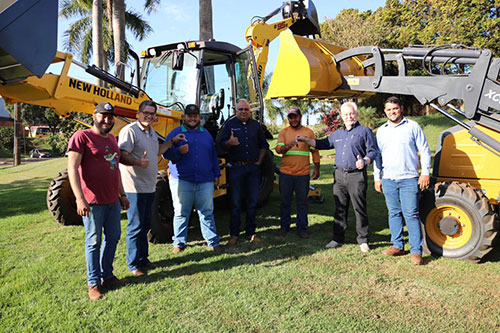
(396, 174)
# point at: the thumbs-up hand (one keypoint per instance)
(360, 163)
(143, 161)
(233, 140)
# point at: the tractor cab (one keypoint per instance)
(211, 74)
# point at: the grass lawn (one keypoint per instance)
(289, 285)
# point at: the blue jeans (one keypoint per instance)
(244, 181)
(289, 184)
(100, 263)
(401, 198)
(139, 222)
(185, 194)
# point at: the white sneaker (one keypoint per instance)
(333, 245)
(364, 248)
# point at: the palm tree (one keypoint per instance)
(97, 43)
(116, 14)
(78, 37)
(206, 28)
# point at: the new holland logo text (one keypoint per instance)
(109, 94)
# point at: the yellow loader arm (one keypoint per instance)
(306, 66)
(65, 94)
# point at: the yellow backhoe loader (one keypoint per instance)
(459, 214)
(201, 72)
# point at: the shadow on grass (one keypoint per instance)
(274, 250)
(23, 197)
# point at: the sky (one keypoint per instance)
(177, 20)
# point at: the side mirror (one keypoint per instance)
(178, 60)
(220, 100)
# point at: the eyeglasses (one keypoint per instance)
(243, 109)
(149, 114)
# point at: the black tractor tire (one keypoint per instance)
(458, 222)
(61, 201)
(266, 178)
(162, 224)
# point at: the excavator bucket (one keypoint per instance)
(306, 68)
(308, 23)
(28, 38)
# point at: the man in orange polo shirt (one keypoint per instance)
(294, 172)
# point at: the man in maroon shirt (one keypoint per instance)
(93, 172)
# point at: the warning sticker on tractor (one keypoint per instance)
(353, 81)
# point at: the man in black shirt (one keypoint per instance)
(355, 148)
(244, 139)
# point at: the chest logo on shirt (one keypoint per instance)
(111, 158)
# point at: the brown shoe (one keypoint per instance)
(416, 259)
(217, 249)
(255, 239)
(114, 282)
(393, 252)
(138, 273)
(232, 240)
(95, 293)
(177, 250)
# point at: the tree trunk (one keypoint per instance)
(97, 40)
(206, 33)
(206, 28)
(119, 37)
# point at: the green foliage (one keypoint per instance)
(37, 115)
(78, 37)
(351, 28)
(367, 116)
(7, 138)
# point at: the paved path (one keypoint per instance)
(10, 161)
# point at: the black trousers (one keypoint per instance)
(347, 187)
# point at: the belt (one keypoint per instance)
(349, 170)
(243, 162)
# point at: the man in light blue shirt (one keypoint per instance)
(396, 174)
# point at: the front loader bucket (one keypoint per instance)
(306, 68)
(28, 38)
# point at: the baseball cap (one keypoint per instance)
(192, 109)
(294, 110)
(104, 107)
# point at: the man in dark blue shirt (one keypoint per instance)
(194, 170)
(244, 140)
(355, 148)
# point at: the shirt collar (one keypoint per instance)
(142, 127)
(356, 124)
(184, 129)
(404, 120)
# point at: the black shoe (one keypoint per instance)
(303, 234)
(150, 265)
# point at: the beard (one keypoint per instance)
(102, 130)
(191, 127)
